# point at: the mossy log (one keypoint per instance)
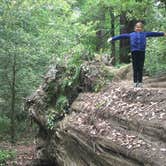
(114, 127)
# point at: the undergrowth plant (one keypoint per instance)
(6, 155)
(155, 57)
(69, 78)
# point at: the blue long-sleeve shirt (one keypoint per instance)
(138, 39)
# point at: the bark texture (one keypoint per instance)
(117, 126)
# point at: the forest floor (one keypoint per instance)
(24, 150)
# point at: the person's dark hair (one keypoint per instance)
(140, 23)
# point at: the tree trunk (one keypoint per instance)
(116, 127)
(100, 32)
(113, 57)
(124, 44)
(13, 97)
(125, 27)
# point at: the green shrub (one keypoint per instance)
(155, 57)
(57, 112)
(6, 155)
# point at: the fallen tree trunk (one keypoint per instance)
(114, 127)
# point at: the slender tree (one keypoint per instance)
(112, 22)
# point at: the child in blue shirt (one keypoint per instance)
(138, 47)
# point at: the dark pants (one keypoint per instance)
(138, 58)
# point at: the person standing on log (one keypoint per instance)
(138, 47)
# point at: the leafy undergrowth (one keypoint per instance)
(6, 155)
(19, 154)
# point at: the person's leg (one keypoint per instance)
(140, 66)
(135, 67)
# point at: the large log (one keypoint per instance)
(115, 127)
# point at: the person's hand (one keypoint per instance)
(164, 34)
(109, 39)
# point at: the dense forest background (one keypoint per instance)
(36, 34)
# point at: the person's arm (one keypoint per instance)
(122, 36)
(155, 34)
